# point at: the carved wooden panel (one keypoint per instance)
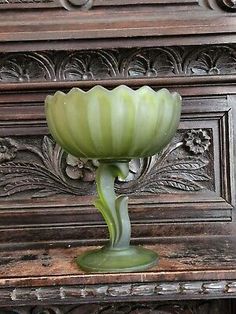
(45, 169)
(190, 307)
(195, 170)
(184, 196)
(90, 65)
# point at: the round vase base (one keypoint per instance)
(132, 259)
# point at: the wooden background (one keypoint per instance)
(182, 201)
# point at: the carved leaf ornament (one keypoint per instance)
(42, 179)
(57, 172)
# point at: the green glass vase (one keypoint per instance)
(114, 126)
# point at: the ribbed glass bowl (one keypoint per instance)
(114, 127)
(113, 124)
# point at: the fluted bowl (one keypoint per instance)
(113, 124)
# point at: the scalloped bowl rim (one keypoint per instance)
(111, 91)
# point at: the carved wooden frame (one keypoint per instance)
(181, 51)
(45, 72)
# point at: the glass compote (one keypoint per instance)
(114, 126)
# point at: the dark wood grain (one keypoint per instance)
(188, 269)
(185, 45)
(101, 64)
(34, 75)
(140, 19)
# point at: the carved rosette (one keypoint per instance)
(197, 141)
(175, 169)
(8, 149)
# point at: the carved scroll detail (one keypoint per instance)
(231, 4)
(227, 5)
(74, 4)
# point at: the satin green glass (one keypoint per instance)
(114, 126)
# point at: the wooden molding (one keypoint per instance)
(88, 4)
(45, 4)
(112, 292)
(109, 64)
(188, 217)
(189, 268)
(39, 23)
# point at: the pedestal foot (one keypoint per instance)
(132, 259)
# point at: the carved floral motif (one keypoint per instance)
(8, 149)
(165, 174)
(197, 141)
(80, 168)
(152, 63)
(213, 61)
(87, 65)
(20, 67)
(117, 63)
(49, 170)
(41, 179)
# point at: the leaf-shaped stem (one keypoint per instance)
(113, 209)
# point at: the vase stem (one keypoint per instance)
(114, 209)
(119, 255)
